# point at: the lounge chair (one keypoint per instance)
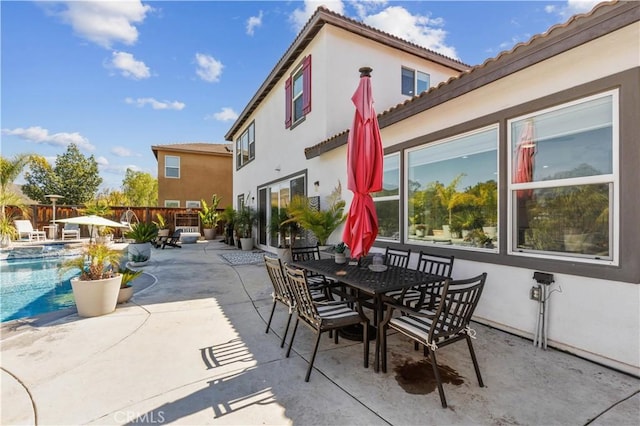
(24, 227)
(71, 230)
(173, 240)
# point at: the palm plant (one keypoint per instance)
(321, 222)
(97, 262)
(142, 232)
(209, 215)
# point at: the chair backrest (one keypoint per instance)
(299, 254)
(23, 225)
(71, 227)
(397, 257)
(176, 234)
(435, 264)
(305, 307)
(456, 307)
(281, 289)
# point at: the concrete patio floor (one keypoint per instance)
(192, 349)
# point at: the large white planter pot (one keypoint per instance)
(246, 243)
(209, 233)
(139, 252)
(97, 297)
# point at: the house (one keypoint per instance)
(190, 172)
(543, 141)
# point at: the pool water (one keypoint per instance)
(30, 287)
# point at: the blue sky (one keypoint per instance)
(118, 77)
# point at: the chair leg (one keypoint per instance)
(313, 357)
(273, 309)
(382, 337)
(295, 328)
(436, 373)
(475, 361)
(365, 337)
(286, 330)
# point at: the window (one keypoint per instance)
(172, 203)
(414, 82)
(452, 191)
(298, 94)
(171, 166)
(276, 198)
(193, 204)
(246, 146)
(387, 201)
(563, 180)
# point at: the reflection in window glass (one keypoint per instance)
(297, 96)
(408, 79)
(562, 179)
(387, 201)
(245, 146)
(422, 82)
(453, 191)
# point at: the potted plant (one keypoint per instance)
(105, 235)
(96, 289)
(142, 234)
(340, 256)
(229, 218)
(126, 289)
(163, 227)
(321, 222)
(287, 231)
(209, 217)
(245, 219)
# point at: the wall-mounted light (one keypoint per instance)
(316, 184)
(253, 200)
(278, 168)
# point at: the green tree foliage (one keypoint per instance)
(140, 188)
(9, 171)
(74, 176)
(113, 197)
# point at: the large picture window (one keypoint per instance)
(452, 191)
(387, 201)
(563, 179)
(246, 146)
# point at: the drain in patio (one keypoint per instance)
(243, 257)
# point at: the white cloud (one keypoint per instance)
(254, 22)
(41, 136)
(573, 7)
(209, 68)
(103, 22)
(299, 17)
(225, 114)
(155, 104)
(363, 8)
(418, 29)
(129, 66)
(120, 151)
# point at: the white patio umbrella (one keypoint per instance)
(93, 220)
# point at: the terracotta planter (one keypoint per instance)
(125, 294)
(96, 297)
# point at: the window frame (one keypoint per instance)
(172, 203)
(192, 204)
(248, 135)
(612, 179)
(172, 167)
(397, 198)
(302, 70)
(415, 77)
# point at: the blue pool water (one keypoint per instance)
(30, 287)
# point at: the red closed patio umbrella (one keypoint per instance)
(525, 151)
(364, 170)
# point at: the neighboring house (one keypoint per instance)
(565, 105)
(190, 172)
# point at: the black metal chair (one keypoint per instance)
(434, 329)
(171, 241)
(281, 291)
(299, 254)
(397, 257)
(323, 316)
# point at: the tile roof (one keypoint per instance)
(313, 26)
(602, 19)
(202, 147)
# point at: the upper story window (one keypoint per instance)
(562, 191)
(414, 82)
(171, 166)
(452, 191)
(246, 146)
(298, 94)
(387, 201)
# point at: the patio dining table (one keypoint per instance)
(370, 283)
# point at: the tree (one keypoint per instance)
(74, 176)
(140, 188)
(9, 171)
(114, 197)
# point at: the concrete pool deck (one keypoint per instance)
(192, 349)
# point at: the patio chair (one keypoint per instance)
(447, 324)
(315, 280)
(324, 315)
(24, 227)
(172, 241)
(397, 257)
(281, 291)
(71, 230)
(435, 264)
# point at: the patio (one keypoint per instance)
(191, 349)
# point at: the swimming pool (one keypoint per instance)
(30, 287)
